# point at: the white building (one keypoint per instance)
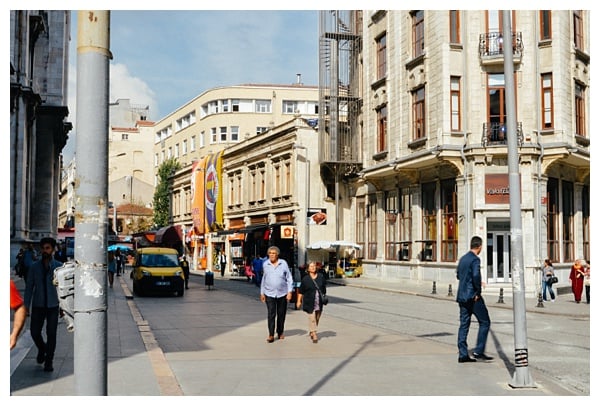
(421, 95)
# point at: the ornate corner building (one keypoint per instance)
(413, 137)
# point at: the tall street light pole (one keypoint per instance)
(307, 199)
(91, 193)
(522, 377)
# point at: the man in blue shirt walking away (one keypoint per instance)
(276, 290)
(257, 268)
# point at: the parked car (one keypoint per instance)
(157, 269)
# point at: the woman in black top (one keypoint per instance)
(310, 297)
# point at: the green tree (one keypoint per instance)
(161, 195)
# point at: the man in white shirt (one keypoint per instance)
(222, 263)
(276, 290)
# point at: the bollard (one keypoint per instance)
(501, 297)
(540, 302)
(450, 290)
(434, 292)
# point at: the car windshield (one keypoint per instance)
(159, 260)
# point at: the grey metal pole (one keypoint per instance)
(306, 201)
(91, 193)
(522, 377)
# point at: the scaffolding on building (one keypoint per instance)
(340, 86)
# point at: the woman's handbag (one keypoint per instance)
(554, 280)
(324, 297)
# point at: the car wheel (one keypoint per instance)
(179, 292)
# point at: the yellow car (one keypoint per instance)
(349, 268)
(157, 269)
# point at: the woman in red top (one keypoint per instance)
(576, 277)
(18, 306)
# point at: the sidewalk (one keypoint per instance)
(138, 367)
(563, 305)
(129, 371)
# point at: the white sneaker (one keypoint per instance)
(552, 300)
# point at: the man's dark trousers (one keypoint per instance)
(276, 307)
(467, 309)
(38, 316)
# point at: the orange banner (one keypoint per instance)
(198, 208)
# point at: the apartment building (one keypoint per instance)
(204, 127)
(223, 116)
(422, 95)
(272, 190)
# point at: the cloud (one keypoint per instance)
(125, 86)
(122, 86)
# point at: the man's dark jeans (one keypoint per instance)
(50, 316)
(467, 309)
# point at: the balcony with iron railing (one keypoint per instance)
(495, 134)
(491, 47)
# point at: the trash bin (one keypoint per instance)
(209, 279)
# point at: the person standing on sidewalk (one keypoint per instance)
(586, 282)
(222, 263)
(17, 305)
(185, 266)
(470, 302)
(576, 276)
(119, 261)
(112, 268)
(548, 272)
(257, 267)
(276, 290)
(29, 257)
(41, 301)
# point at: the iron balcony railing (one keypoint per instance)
(495, 134)
(491, 44)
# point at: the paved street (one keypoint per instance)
(373, 341)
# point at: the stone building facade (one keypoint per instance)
(39, 59)
(433, 135)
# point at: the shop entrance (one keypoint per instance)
(498, 252)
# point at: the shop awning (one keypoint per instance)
(168, 236)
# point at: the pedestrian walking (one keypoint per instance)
(119, 259)
(576, 276)
(60, 254)
(26, 260)
(276, 290)
(310, 296)
(19, 264)
(185, 266)
(222, 263)
(470, 302)
(112, 268)
(41, 301)
(257, 267)
(547, 279)
(586, 282)
(17, 305)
